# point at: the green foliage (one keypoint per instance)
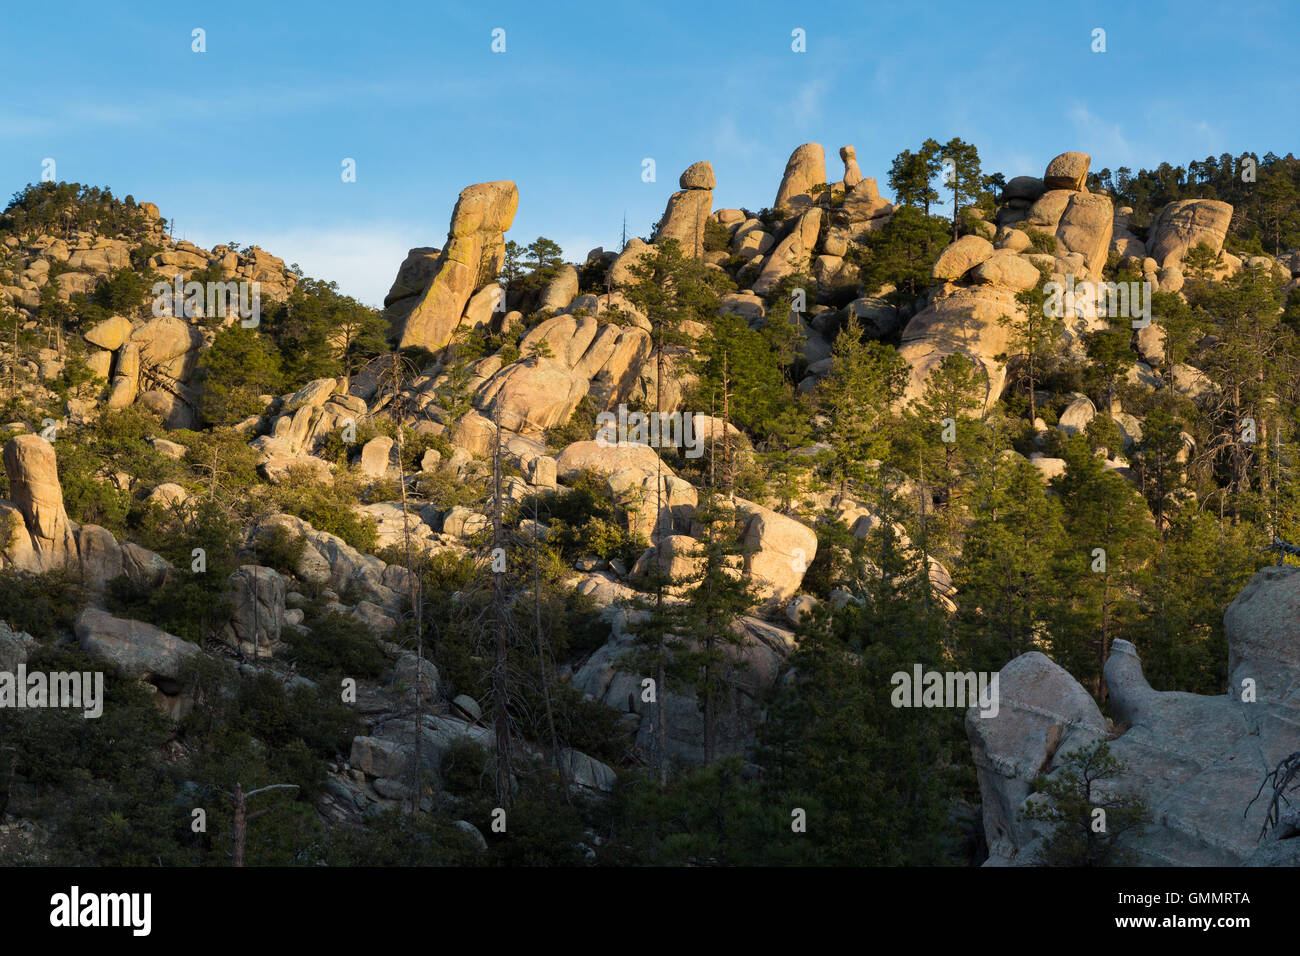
(63, 208)
(190, 604)
(124, 292)
(873, 778)
(321, 333)
(717, 237)
(42, 605)
(710, 816)
(901, 254)
(585, 520)
(1075, 795)
(328, 507)
(1040, 241)
(581, 425)
(394, 838)
(1101, 511)
(1032, 333)
(911, 174)
(280, 549)
(1264, 208)
(547, 256)
(1006, 579)
(543, 830)
(854, 397)
(757, 392)
(220, 460)
(943, 440)
(98, 785)
(337, 646)
(232, 374)
(671, 288)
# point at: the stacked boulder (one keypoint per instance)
(301, 424)
(567, 357)
(981, 279)
(688, 210)
(862, 210)
(793, 253)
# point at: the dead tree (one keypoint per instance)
(413, 579)
(1283, 778)
(243, 818)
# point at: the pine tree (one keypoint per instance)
(716, 598)
(1006, 581)
(865, 378)
(964, 180)
(943, 434)
(1031, 336)
(1081, 837)
(1109, 540)
(868, 775)
(911, 173)
(670, 289)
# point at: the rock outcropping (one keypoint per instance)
(41, 537)
(1197, 761)
(471, 260)
(805, 169)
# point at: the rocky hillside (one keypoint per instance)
(443, 559)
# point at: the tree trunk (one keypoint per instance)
(241, 828)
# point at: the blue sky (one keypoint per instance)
(245, 141)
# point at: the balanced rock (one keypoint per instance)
(698, 176)
(688, 210)
(110, 334)
(1068, 171)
